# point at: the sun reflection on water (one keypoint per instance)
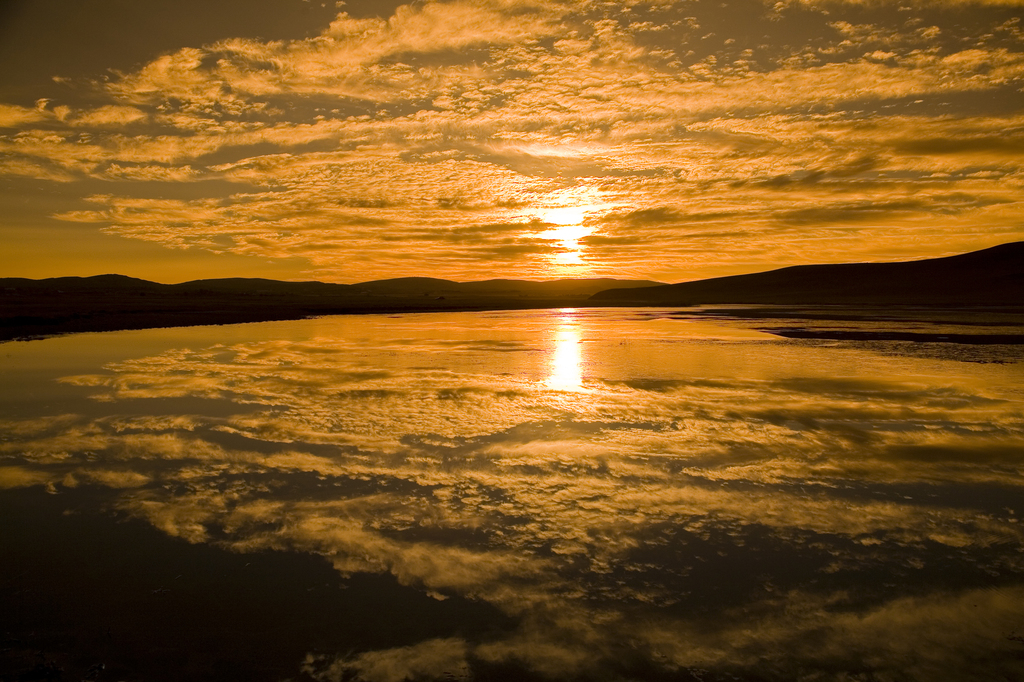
(567, 356)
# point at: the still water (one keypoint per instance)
(564, 494)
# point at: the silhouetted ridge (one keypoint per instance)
(107, 302)
(993, 276)
(243, 286)
(412, 286)
(94, 283)
(252, 285)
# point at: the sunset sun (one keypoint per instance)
(567, 230)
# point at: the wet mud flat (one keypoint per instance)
(997, 325)
(919, 337)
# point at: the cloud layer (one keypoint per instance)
(451, 138)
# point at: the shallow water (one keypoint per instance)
(565, 494)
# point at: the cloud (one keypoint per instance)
(108, 478)
(418, 129)
(27, 168)
(109, 116)
(12, 116)
(987, 145)
(338, 62)
(21, 477)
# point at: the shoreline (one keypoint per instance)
(14, 328)
(29, 328)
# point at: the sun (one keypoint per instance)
(567, 230)
(567, 215)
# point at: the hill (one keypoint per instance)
(990, 277)
(107, 302)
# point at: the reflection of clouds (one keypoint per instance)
(770, 481)
(906, 638)
(21, 477)
(433, 659)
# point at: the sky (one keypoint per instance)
(535, 139)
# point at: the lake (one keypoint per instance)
(561, 494)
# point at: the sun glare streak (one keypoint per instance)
(566, 371)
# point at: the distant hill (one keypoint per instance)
(401, 286)
(107, 302)
(254, 286)
(427, 286)
(993, 276)
(60, 284)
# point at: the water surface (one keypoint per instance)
(574, 494)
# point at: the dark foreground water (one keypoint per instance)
(565, 495)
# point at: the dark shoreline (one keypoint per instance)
(32, 327)
(41, 308)
(36, 327)
(916, 337)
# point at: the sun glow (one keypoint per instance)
(567, 231)
(568, 215)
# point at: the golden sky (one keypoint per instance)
(472, 139)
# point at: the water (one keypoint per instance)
(518, 495)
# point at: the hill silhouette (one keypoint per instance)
(990, 277)
(107, 302)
